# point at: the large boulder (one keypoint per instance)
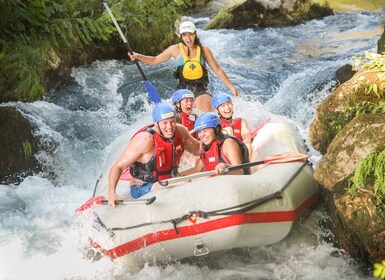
(346, 138)
(360, 137)
(332, 115)
(356, 226)
(354, 219)
(257, 13)
(17, 147)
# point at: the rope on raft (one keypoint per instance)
(233, 210)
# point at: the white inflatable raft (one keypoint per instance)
(212, 214)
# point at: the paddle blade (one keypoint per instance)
(152, 93)
(93, 201)
(285, 157)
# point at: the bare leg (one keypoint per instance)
(157, 186)
(203, 103)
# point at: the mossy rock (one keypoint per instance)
(17, 147)
(252, 14)
(332, 115)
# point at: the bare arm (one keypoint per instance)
(209, 57)
(246, 135)
(192, 145)
(233, 153)
(171, 51)
(197, 168)
(139, 149)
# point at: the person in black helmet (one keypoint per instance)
(190, 65)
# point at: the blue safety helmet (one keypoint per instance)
(182, 94)
(206, 120)
(219, 99)
(162, 111)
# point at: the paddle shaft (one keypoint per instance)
(281, 158)
(146, 201)
(123, 38)
(208, 173)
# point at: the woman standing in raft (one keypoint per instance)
(190, 65)
(218, 150)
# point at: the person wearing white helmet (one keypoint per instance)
(190, 65)
(153, 154)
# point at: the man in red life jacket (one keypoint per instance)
(238, 127)
(183, 101)
(152, 154)
(218, 149)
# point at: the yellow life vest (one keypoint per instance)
(192, 68)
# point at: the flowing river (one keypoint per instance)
(84, 125)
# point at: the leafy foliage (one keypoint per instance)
(372, 61)
(370, 99)
(35, 34)
(150, 25)
(379, 270)
(371, 172)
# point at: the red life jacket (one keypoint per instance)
(165, 161)
(214, 154)
(186, 121)
(236, 126)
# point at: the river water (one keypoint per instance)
(84, 125)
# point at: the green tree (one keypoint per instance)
(35, 33)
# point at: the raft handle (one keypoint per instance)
(200, 248)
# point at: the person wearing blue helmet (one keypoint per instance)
(238, 127)
(218, 149)
(153, 154)
(191, 71)
(183, 101)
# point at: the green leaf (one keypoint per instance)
(379, 270)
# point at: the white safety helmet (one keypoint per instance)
(187, 26)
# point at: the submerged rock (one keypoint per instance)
(17, 147)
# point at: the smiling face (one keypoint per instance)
(167, 127)
(189, 38)
(226, 110)
(186, 105)
(207, 135)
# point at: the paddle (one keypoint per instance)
(152, 93)
(97, 200)
(146, 201)
(279, 158)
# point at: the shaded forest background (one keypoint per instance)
(41, 40)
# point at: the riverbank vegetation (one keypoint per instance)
(38, 36)
(369, 173)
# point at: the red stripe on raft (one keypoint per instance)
(234, 220)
